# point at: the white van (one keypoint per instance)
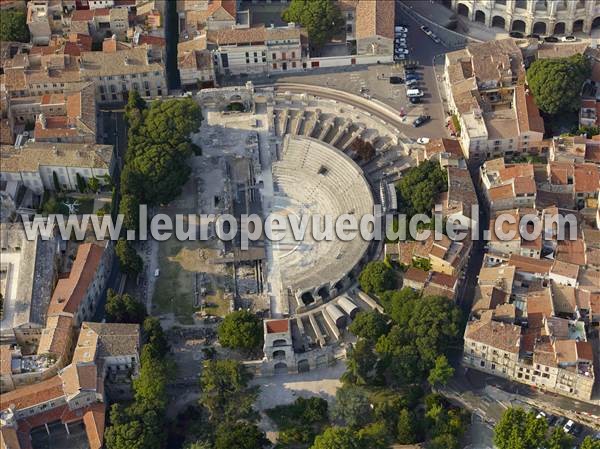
(412, 93)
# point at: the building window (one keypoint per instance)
(274, 55)
(275, 65)
(293, 55)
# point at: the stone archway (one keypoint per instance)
(479, 16)
(463, 10)
(518, 25)
(596, 23)
(280, 368)
(539, 28)
(578, 26)
(560, 28)
(279, 354)
(303, 366)
(499, 22)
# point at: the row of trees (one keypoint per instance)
(140, 425)
(13, 26)
(518, 429)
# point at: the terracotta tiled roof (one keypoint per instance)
(572, 251)
(506, 337)
(566, 269)
(277, 326)
(79, 376)
(5, 359)
(529, 265)
(33, 394)
(528, 114)
(56, 335)
(443, 145)
(416, 275)
(587, 178)
(375, 18)
(69, 292)
(93, 419)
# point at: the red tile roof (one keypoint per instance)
(277, 326)
(69, 292)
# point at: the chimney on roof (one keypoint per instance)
(110, 45)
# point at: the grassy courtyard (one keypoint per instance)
(180, 263)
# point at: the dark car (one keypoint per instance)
(421, 120)
(414, 100)
(396, 80)
(411, 66)
(551, 39)
(535, 36)
(412, 76)
(516, 34)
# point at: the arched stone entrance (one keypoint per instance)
(280, 368)
(539, 28)
(479, 16)
(499, 22)
(559, 28)
(578, 26)
(303, 366)
(518, 25)
(463, 10)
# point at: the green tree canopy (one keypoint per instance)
(150, 385)
(337, 438)
(321, 18)
(376, 278)
(13, 26)
(352, 406)
(123, 308)
(419, 188)
(129, 207)
(441, 372)
(129, 259)
(241, 330)
(406, 428)
(361, 363)
(519, 429)
(240, 435)
(369, 325)
(224, 389)
(155, 338)
(556, 83)
(589, 443)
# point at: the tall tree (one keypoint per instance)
(225, 394)
(352, 406)
(241, 330)
(123, 308)
(406, 428)
(369, 325)
(240, 435)
(419, 188)
(441, 372)
(376, 278)
(321, 18)
(129, 259)
(556, 82)
(337, 438)
(13, 26)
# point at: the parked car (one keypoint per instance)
(535, 36)
(398, 57)
(421, 120)
(414, 93)
(551, 39)
(414, 100)
(411, 66)
(435, 38)
(398, 40)
(568, 38)
(401, 51)
(411, 83)
(426, 30)
(396, 80)
(400, 29)
(423, 140)
(568, 426)
(516, 34)
(540, 415)
(412, 75)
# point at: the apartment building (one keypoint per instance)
(105, 358)
(497, 114)
(34, 164)
(195, 63)
(100, 23)
(115, 72)
(78, 294)
(38, 22)
(508, 186)
(258, 50)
